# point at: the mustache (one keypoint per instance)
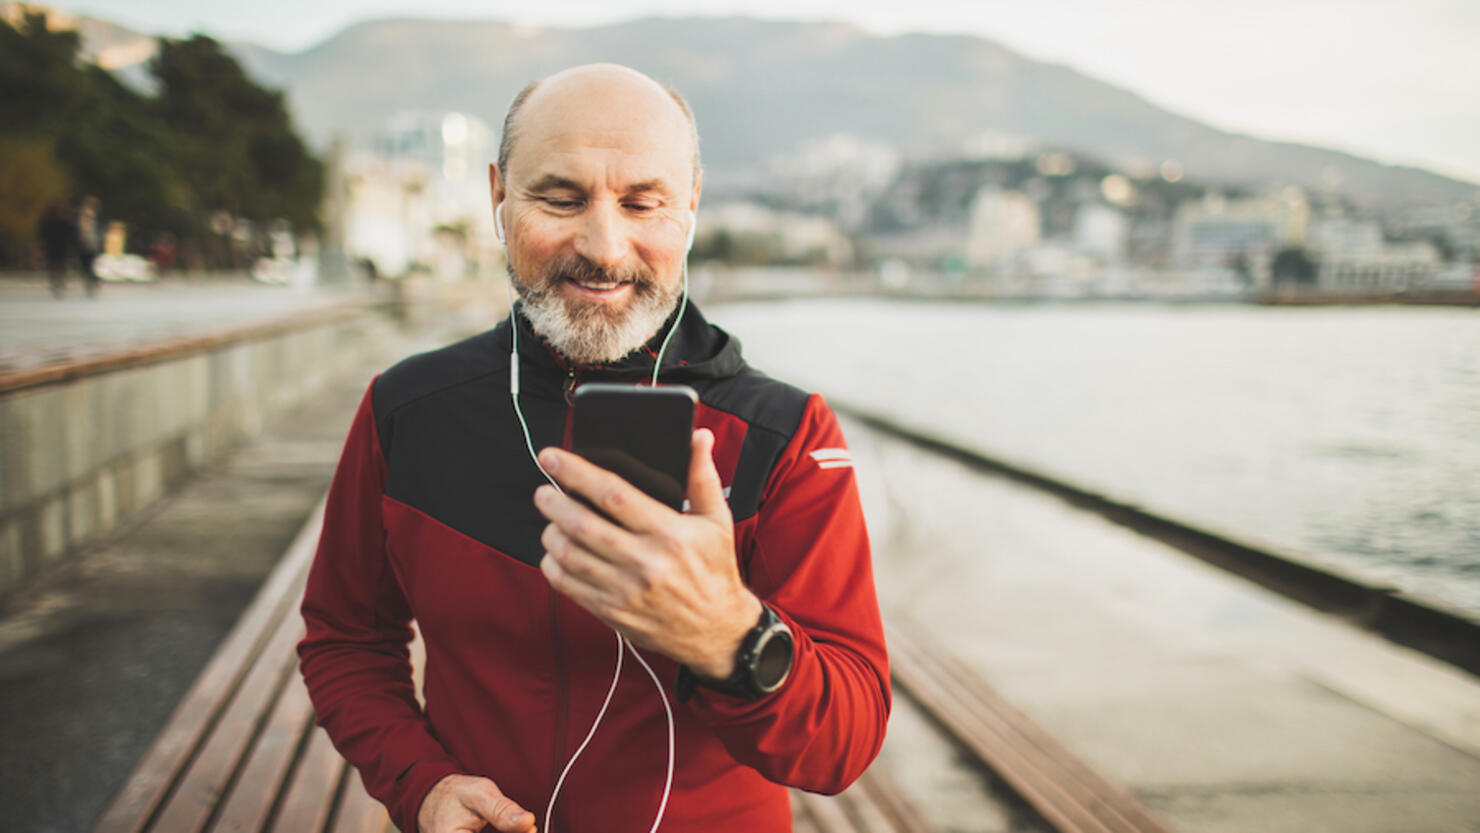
(575, 267)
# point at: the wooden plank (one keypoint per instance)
(310, 799)
(177, 744)
(1061, 787)
(209, 776)
(358, 812)
(1111, 805)
(881, 790)
(827, 813)
(1031, 776)
(256, 791)
(1112, 797)
(867, 815)
(801, 820)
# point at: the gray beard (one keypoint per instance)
(588, 334)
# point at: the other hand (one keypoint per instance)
(465, 803)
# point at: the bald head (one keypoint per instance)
(601, 97)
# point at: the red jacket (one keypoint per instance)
(430, 517)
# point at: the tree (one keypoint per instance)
(31, 179)
(239, 147)
(211, 141)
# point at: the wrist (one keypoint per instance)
(721, 664)
(760, 666)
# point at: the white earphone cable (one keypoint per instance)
(616, 675)
(683, 305)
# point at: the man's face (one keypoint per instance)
(596, 208)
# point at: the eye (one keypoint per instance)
(563, 205)
(639, 207)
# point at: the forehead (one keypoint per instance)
(617, 133)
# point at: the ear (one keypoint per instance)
(698, 187)
(495, 183)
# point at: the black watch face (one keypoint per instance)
(774, 662)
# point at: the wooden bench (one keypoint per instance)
(241, 753)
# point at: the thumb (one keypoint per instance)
(706, 494)
(498, 810)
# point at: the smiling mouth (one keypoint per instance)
(597, 286)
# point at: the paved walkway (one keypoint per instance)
(1223, 706)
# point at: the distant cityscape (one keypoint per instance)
(1002, 218)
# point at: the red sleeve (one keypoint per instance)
(810, 561)
(355, 658)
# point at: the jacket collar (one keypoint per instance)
(699, 351)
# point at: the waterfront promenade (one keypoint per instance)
(1221, 705)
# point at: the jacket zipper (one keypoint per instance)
(571, 380)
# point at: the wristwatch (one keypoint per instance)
(762, 663)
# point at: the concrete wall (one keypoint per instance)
(78, 458)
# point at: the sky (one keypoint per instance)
(1395, 81)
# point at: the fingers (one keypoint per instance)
(484, 798)
(620, 500)
(705, 492)
(579, 523)
(579, 574)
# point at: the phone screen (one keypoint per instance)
(641, 434)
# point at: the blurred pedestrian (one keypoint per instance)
(58, 235)
(162, 252)
(89, 242)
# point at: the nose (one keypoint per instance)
(603, 237)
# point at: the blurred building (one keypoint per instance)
(1002, 224)
(1101, 231)
(747, 232)
(417, 198)
(1354, 256)
(1217, 235)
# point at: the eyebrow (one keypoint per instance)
(657, 185)
(555, 182)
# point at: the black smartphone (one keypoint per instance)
(641, 434)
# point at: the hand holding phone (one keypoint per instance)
(668, 582)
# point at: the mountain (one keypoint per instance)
(762, 89)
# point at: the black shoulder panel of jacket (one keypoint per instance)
(773, 411)
(425, 374)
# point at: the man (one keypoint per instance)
(57, 234)
(437, 512)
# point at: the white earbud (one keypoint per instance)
(498, 222)
(693, 227)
